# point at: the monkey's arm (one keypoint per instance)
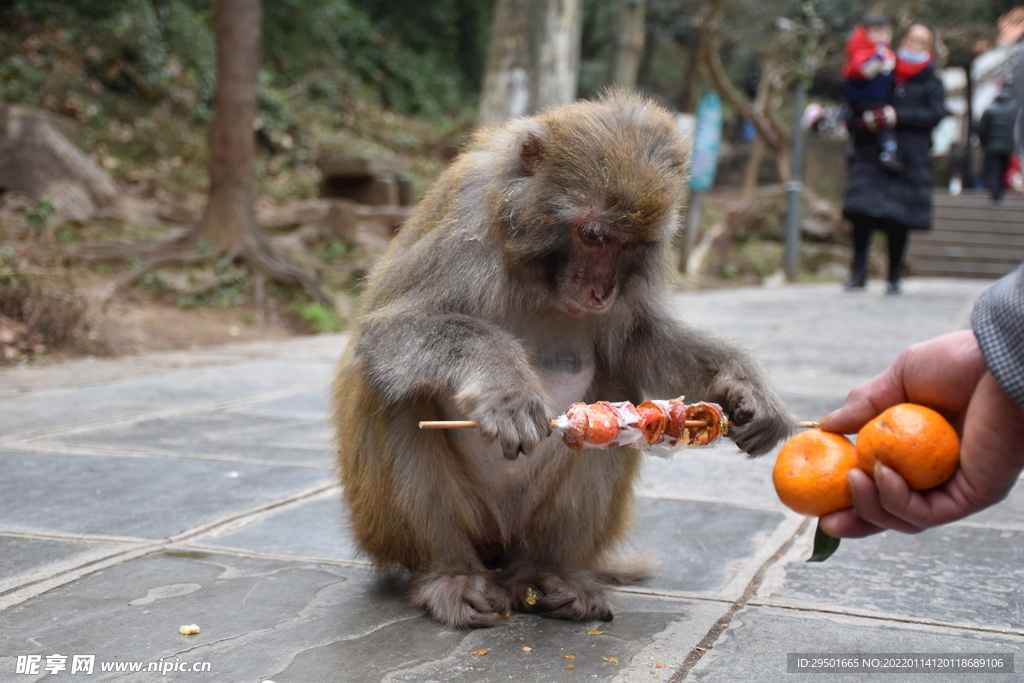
(443, 356)
(666, 357)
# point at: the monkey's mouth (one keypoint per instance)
(591, 306)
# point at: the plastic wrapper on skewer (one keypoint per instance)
(656, 427)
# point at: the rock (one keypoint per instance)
(347, 220)
(383, 221)
(294, 213)
(823, 219)
(130, 210)
(365, 180)
(40, 161)
(342, 219)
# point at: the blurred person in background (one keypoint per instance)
(875, 199)
(996, 134)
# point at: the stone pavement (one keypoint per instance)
(145, 493)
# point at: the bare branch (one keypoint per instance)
(774, 136)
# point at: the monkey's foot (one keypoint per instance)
(460, 600)
(565, 594)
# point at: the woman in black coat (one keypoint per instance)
(896, 201)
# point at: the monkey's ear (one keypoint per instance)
(531, 153)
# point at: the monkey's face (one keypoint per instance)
(595, 263)
(599, 201)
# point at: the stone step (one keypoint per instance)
(970, 237)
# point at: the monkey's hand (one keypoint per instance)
(513, 413)
(760, 420)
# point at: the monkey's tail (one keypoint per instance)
(620, 569)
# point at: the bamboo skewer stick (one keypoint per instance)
(469, 424)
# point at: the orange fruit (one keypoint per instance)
(810, 472)
(915, 441)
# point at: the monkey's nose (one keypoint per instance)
(602, 295)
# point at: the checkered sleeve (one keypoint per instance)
(998, 322)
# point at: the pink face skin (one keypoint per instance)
(917, 39)
(592, 286)
(593, 278)
(880, 34)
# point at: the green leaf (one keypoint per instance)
(824, 545)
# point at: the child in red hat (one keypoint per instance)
(868, 81)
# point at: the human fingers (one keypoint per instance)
(866, 517)
(918, 510)
(941, 373)
(847, 524)
(866, 401)
(991, 460)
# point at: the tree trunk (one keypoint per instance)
(762, 98)
(533, 59)
(229, 217)
(753, 167)
(557, 49)
(694, 70)
(774, 136)
(506, 87)
(229, 220)
(629, 43)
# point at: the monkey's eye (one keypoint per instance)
(592, 238)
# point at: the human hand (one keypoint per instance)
(882, 118)
(872, 67)
(947, 373)
(1017, 182)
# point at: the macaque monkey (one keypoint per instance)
(533, 275)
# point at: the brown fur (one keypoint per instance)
(531, 276)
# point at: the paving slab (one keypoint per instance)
(198, 487)
(1009, 514)
(223, 435)
(305, 621)
(144, 497)
(22, 558)
(715, 475)
(324, 534)
(755, 648)
(962, 575)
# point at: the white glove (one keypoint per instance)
(877, 66)
(882, 118)
(872, 68)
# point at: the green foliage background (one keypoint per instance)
(348, 77)
(338, 76)
(165, 49)
(370, 77)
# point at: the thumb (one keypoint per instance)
(866, 401)
(850, 418)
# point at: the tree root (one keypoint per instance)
(263, 260)
(266, 261)
(120, 251)
(166, 259)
